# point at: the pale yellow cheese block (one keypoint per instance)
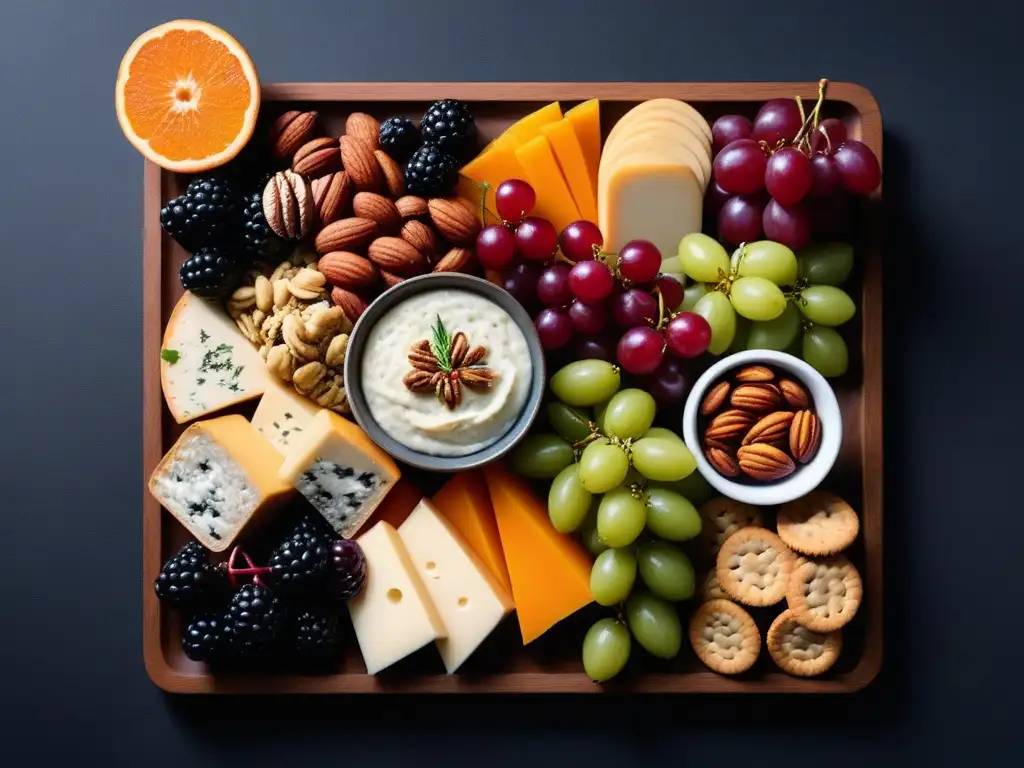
(679, 130)
(670, 105)
(658, 145)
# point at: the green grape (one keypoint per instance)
(826, 305)
(588, 531)
(606, 649)
(826, 263)
(568, 500)
(716, 308)
(702, 258)
(776, 334)
(666, 570)
(599, 411)
(613, 574)
(620, 518)
(668, 434)
(693, 487)
(572, 424)
(825, 351)
(541, 456)
(770, 260)
(740, 339)
(757, 298)
(603, 466)
(671, 515)
(629, 413)
(585, 382)
(691, 294)
(658, 458)
(655, 624)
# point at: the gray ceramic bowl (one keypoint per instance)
(354, 370)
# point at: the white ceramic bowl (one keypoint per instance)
(807, 477)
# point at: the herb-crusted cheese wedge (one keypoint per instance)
(340, 471)
(217, 477)
(206, 364)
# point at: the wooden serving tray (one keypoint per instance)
(552, 663)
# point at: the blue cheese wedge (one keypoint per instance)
(340, 471)
(206, 364)
(283, 416)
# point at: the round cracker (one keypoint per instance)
(819, 523)
(722, 518)
(754, 566)
(801, 651)
(825, 593)
(724, 637)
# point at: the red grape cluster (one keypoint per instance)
(782, 175)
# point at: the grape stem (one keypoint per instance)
(252, 570)
(802, 140)
(483, 201)
(795, 294)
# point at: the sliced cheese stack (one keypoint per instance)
(653, 173)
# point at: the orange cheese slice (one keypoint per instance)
(550, 572)
(554, 200)
(465, 502)
(586, 122)
(491, 167)
(529, 127)
(573, 165)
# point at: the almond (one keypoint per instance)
(411, 207)
(765, 462)
(755, 373)
(345, 235)
(421, 237)
(394, 176)
(396, 255)
(715, 398)
(390, 278)
(756, 398)
(290, 131)
(332, 195)
(729, 425)
(317, 158)
(370, 205)
(722, 461)
(804, 436)
(773, 428)
(455, 218)
(357, 158)
(364, 127)
(794, 394)
(456, 260)
(347, 270)
(351, 304)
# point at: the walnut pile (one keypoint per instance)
(286, 311)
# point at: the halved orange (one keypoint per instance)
(187, 96)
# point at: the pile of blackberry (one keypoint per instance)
(288, 612)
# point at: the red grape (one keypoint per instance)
(789, 225)
(777, 119)
(536, 239)
(595, 348)
(671, 291)
(639, 261)
(858, 167)
(578, 240)
(825, 176)
(739, 167)
(553, 327)
(521, 282)
(591, 281)
(836, 131)
(553, 285)
(727, 129)
(788, 176)
(739, 221)
(669, 382)
(634, 307)
(514, 199)
(495, 247)
(588, 319)
(687, 335)
(715, 198)
(640, 350)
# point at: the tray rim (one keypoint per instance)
(868, 667)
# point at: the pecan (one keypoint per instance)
(794, 394)
(288, 205)
(423, 359)
(460, 346)
(477, 378)
(419, 381)
(317, 158)
(290, 131)
(804, 436)
(474, 356)
(773, 428)
(754, 374)
(756, 398)
(765, 462)
(715, 397)
(722, 461)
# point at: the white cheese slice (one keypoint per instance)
(470, 600)
(283, 416)
(206, 364)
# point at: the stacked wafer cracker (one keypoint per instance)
(752, 566)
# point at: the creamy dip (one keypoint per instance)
(420, 420)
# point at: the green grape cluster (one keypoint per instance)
(624, 487)
(767, 297)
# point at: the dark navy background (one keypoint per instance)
(72, 684)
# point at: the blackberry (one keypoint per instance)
(254, 619)
(189, 581)
(315, 636)
(208, 213)
(258, 239)
(347, 569)
(398, 137)
(209, 272)
(431, 172)
(299, 562)
(447, 124)
(204, 638)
